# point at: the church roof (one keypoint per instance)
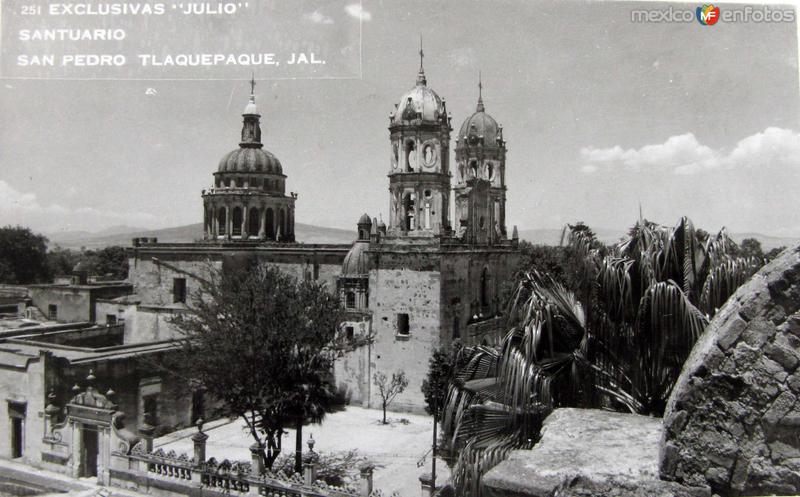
(250, 157)
(420, 102)
(479, 124)
(250, 160)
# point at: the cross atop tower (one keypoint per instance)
(421, 53)
(480, 93)
(421, 80)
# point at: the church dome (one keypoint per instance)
(420, 103)
(356, 262)
(480, 124)
(250, 160)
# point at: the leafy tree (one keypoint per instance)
(617, 341)
(750, 247)
(111, 261)
(389, 389)
(264, 344)
(773, 253)
(441, 370)
(61, 261)
(22, 256)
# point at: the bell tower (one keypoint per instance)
(419, 176)
(480, 187)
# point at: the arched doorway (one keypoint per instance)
(281, 224)
(254, 222)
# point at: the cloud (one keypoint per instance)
(25, 209)
(684, 154)
(319, 18)
(357, 11)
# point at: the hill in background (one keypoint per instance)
(184, 234)
(306, 233)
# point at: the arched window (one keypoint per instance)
(409, 209)
(411, 156)
(236, 229)
(222, 221)
(473, 169)
(350, 300)
(270, 222)
(484, 289)
(254, 222)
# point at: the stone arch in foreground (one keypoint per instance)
(733, 421)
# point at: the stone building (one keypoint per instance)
(421, 282)
(413, 286)
(426, 279)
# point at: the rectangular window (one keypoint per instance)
(316, 271)
(403, 325)
(52, 311)
(179, 290)
(111, 319)
(150, 409)
(349, 333)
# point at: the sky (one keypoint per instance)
(601, 115)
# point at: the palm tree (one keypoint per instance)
(616, 342)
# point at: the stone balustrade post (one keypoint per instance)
(426, 482)
(256, 459)
(199, 440)
(365, 484)
(310, 471)
(310, 463)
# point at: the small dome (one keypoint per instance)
(356, 262)
(250, 160)
(479, 124)
(420, 102)
(365, 219)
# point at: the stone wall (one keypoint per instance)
(733, 421)
(23, 385)
(416, 293)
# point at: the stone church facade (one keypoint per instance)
(423, 281)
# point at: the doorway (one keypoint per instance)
(16, 437)
(89, 454)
